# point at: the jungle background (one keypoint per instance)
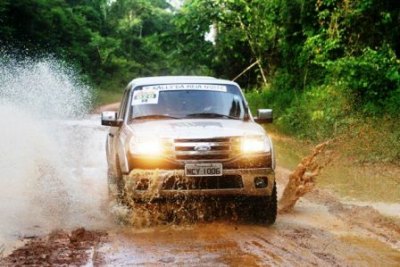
(330, 69)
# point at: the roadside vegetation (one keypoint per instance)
(330, 69)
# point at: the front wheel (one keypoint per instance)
(264, 209)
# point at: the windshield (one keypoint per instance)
(176, 101)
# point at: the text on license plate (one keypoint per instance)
(203, 169)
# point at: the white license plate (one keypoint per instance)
(203, 169)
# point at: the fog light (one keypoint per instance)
(142, 185)
(261, 182)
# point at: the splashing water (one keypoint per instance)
(48, 179)
(44, 88)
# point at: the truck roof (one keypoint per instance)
(178, 79)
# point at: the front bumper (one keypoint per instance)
(155, 184)
(256, 161)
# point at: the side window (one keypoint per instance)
(122, 107)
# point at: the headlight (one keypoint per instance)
(146, 146)
(255, 144)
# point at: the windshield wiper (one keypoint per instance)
(155, 116)
(210, 115)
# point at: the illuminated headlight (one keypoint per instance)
(146, 146)
(255, 144)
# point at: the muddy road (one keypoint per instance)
(74, 224)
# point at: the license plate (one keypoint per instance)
(203, 169)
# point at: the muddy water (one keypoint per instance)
(309, 236)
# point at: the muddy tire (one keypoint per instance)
(264, 209)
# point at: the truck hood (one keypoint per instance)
(195, 128)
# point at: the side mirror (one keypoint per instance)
(264, 116)
(109, 118)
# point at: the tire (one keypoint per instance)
(264, 209)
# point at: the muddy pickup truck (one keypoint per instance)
(191, 136)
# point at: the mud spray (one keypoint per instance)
(177, 210)
(302, 179)
(47, 178)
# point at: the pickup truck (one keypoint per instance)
(192, 136)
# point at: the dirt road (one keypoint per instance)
(321, 231)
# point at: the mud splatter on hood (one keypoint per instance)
(195, 128)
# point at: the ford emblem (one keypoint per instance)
(202, 148)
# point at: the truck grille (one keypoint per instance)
(205, 182)
(203, 149)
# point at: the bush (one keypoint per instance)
(372, 79)
(316, 113)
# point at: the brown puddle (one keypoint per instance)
(202, 244)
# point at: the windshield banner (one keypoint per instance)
(149, 94)
(188, 86)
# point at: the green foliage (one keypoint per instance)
(373, 79)
(111, 42)
(338, 73)
(246, 32)
(316, 113)
(320, 64)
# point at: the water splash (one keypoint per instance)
(47, 176)
(44, 88)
